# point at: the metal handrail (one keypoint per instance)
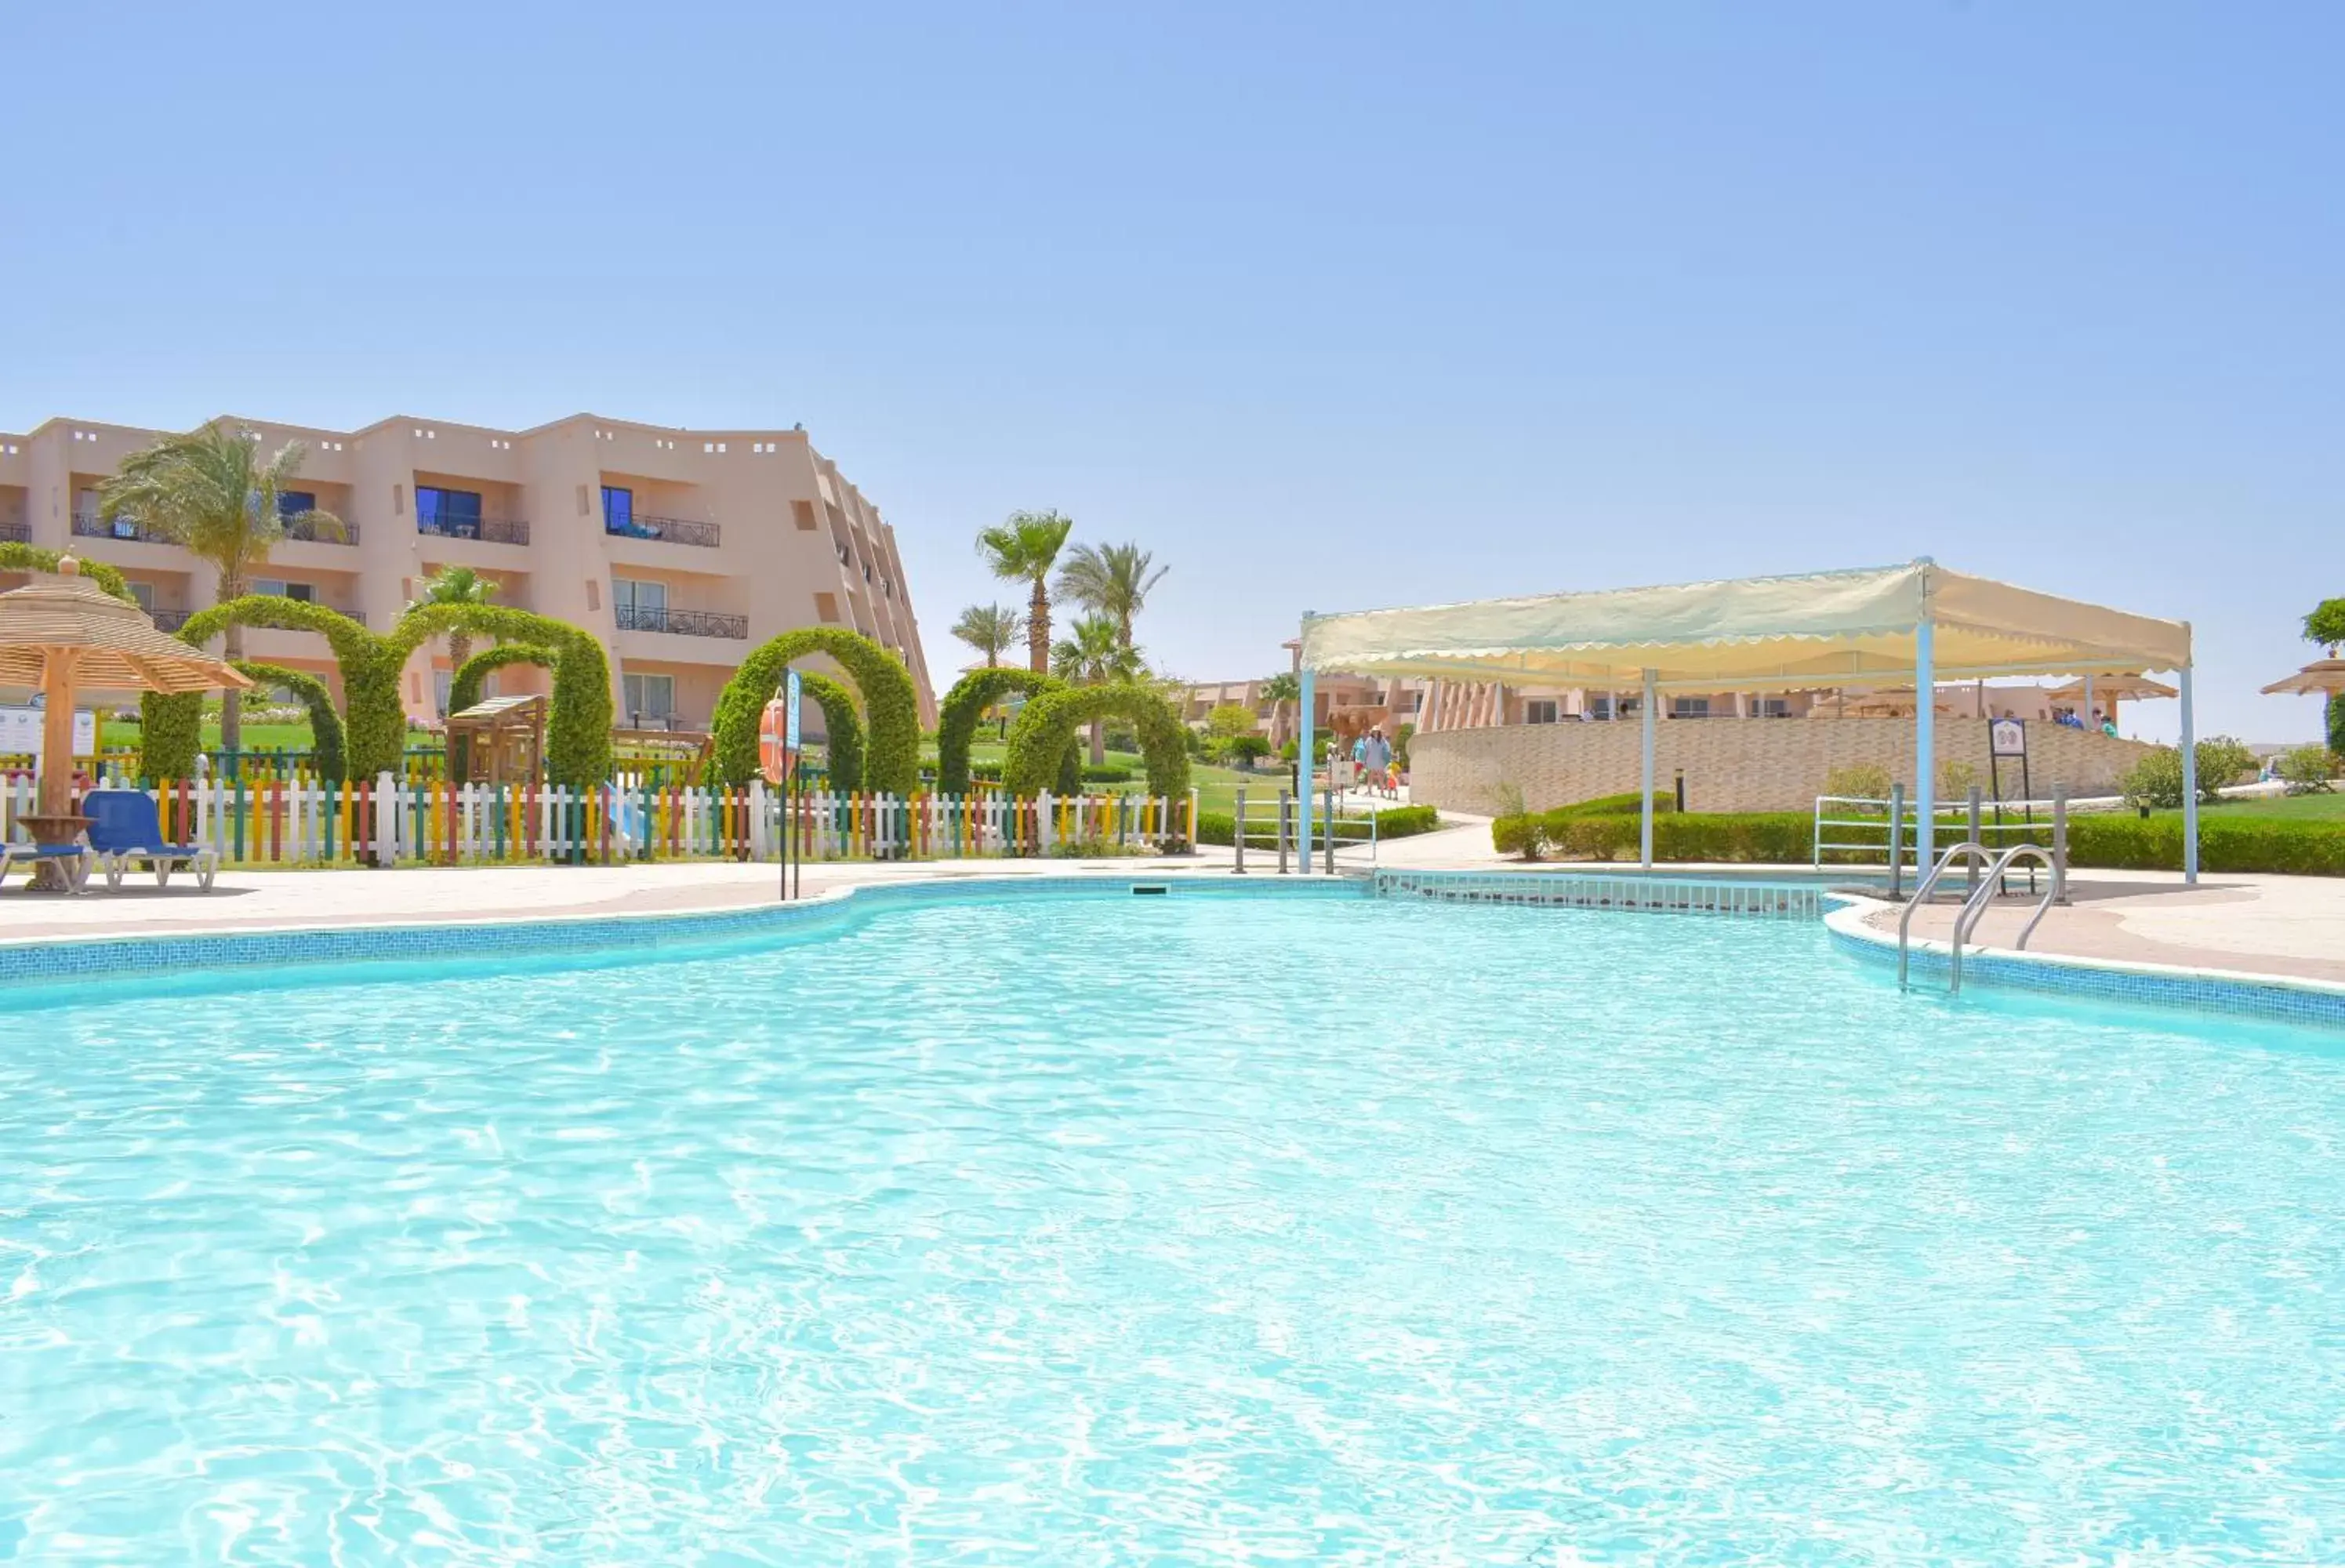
(1974, 907)
(1968, 847)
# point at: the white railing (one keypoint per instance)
(389, 821)
(1859, 830)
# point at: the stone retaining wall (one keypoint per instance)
(1733, 765)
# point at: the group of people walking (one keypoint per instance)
(1375, 767)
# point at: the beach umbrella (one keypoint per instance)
(63, 633)
(2321, 678)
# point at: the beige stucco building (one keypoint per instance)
(681, 549)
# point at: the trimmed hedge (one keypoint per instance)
(578, 720)
(843, 743)
(1041, 739)
(891, 707)
(1612, 804)
(14, 557)
(326, 747)
(1393, 822)
(2097, 841)
(965, 704)
(1106, 773)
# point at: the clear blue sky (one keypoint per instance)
(1330, 308)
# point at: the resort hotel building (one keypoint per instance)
(681, 549)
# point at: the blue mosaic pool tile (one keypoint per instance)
(2231, 996)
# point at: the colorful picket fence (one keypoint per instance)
(391, 821)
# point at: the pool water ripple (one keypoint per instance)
(1195, 1231)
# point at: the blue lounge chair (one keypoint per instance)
(75, 859)
(124, 827)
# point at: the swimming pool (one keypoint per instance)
(1170, 1230)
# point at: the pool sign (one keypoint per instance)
(790, 694)
(2007, 738)
(20, 731)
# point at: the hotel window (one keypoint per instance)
(454, 513)
(294, 502)
(618, 510)
(1539, 711)
(145, 593)
(276, 586)
(649, 697)
(1689, 708)
(1770, 707)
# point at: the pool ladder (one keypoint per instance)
(1974, 907)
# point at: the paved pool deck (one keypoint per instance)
(2286, 926)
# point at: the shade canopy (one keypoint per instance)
(111, 643)
(1758, 634)
(2322, 677)
(2128, 688)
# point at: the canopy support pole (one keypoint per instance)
(2189, 786)
(1925, 746)
(55, 794)
(1645, 809)
(1306, 752)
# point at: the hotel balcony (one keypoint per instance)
(90, 525)
(487, 529)
(168, 619)
(15, 534)
(681, 622)
(321, 533)
(664, 529)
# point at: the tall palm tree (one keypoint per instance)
(1095, 653)
(1023, 550)
(212, 491)
(456, 585)
(1110, 580)
(1278, 691)
(989, 629)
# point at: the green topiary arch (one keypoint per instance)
(965, 704)
(465, 685)
(327, 753)
(578, 728)
(1046, 728)
(842, 728)
(14, 557)
(891, 707)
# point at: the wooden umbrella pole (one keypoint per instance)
(57, 731)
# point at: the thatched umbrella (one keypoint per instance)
(65, 632)
(2321, 678)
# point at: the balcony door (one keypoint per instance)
(650, 699)
(639, 605)
(618, 510)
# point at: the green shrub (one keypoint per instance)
(578, 717)
(1401, 737)
(1609, 804)
(1393, 822)
(891, 707)
(1860, 781)
(1241, 751)
(14, 557)
(1105, 772)
(1521, 832)
(2289, 845)
(2156, 780)
(2309, 770)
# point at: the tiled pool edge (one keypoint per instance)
(2231, 993)
(45, 961)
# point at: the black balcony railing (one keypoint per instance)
(488, 529)
(89, 525)
(311, 531)
(666, 529)
(15, 534)
(684, 623)
(169, 620)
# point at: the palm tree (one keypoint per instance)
(456, 585)
(1110, 580)
(212, 491)
(1093, 656)
(1023, 550)
(989, 629)
(1278, 691)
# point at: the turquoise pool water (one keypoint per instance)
(1170, 1231)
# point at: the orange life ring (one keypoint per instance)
(773, 742)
